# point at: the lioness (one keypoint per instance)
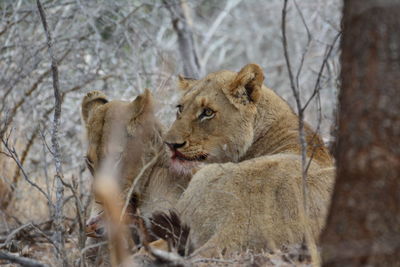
(127, 136)
(251, 196)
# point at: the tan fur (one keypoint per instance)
(255, 200)
(127, 135)
(5, 190)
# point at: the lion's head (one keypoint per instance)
(121, 135)
(215, 117)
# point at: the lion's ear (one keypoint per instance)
(90, 102)
(185, 83)
(141, 107)
(247, 84)
(143, 104)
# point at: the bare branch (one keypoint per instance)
(317, 86)
(302, 138)
(13, 154)
(26, 96)
(309, 38)
(21, 260)
(80, 212)
(228, 7)
(296, 93)
(287, 58)
(96, 245)
(59, 233)
(46, 237)
(13, 233)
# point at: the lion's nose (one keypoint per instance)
(175, 146)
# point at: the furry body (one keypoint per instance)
(250, 196)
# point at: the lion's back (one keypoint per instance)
(256, 202)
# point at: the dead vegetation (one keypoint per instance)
(121, 47)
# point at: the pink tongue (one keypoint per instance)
(178, 154)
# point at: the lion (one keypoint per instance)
(249, 195)
(128, 135)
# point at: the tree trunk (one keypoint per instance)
(363, 227)
(187, 47)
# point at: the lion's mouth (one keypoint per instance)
(176, 155)
(95, 226)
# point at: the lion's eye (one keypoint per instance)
(179, 111)
(180, 108)
(206, 114)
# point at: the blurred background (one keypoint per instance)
(123, 46)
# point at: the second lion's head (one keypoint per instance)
(215, 117)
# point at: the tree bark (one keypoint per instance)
(187, 47)
(363, 226)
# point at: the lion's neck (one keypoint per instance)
(276, 130)
(272, 126)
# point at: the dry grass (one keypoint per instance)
(30, 206)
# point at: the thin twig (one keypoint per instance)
(286, 54)
(210, 33)
(13, 154)
(45, 236)
(85, 249)
(309, 39)
(80, 211)
(13, 233)
(302, 137)
(321, 70)
(296, 93)
(314, 148)
(26, 96)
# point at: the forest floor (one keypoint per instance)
(44, 252)
(25, 231)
